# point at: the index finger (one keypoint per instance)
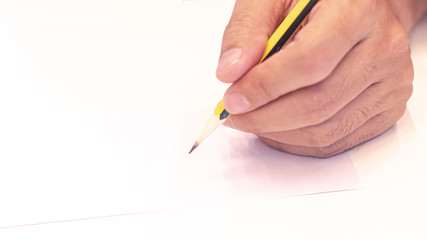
(332, 31)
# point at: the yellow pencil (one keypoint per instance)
(282, 34)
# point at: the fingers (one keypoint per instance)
(246, 35)
(310, 58)
(344, 78)
(369, 104)
(315, 104)
(372, 128)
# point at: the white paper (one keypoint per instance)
(98, 113)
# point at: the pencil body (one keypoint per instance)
(277, 40)
(285, 31)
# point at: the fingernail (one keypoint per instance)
(228, 59)
(235, 103)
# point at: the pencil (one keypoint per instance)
(282, 34)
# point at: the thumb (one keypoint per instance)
(246, 35)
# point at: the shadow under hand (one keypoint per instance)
(252, 166)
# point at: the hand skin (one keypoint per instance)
(344, 78)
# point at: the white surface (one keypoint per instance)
(99, 112)
(391, 167)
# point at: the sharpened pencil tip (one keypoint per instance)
(194, 147)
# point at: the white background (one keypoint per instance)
(391, 167)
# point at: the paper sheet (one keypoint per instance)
(98, 112)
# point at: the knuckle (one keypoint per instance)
(400, 41)
(397, 44)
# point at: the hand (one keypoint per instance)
(344, 78)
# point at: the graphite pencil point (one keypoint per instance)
(194, 147)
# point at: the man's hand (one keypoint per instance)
(344, 78)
